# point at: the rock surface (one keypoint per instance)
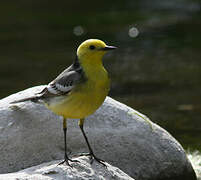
(82, 170)
(30, 134)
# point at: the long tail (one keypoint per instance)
(33, 99)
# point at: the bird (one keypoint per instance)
(79, 90)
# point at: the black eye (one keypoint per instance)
(92, 47)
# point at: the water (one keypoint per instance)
(156, 69)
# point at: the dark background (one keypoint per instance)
(157, 73)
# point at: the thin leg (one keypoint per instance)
(66, 159)
(91, 153)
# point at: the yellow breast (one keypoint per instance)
(85, 98)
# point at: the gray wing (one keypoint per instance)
(65, 82)
(62, 85)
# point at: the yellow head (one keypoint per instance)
(91, 51)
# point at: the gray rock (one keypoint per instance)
(30, 134)
(82, 170)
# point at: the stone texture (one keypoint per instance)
(82, 170)
(30, 134)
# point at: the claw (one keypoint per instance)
(74, 160)
(93, 157)
(66, 161)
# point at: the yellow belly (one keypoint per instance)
(84, 100)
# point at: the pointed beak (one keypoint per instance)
(109, 48)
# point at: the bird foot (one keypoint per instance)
(66, 161)
(93, 157)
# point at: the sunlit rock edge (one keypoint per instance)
(195, 158)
